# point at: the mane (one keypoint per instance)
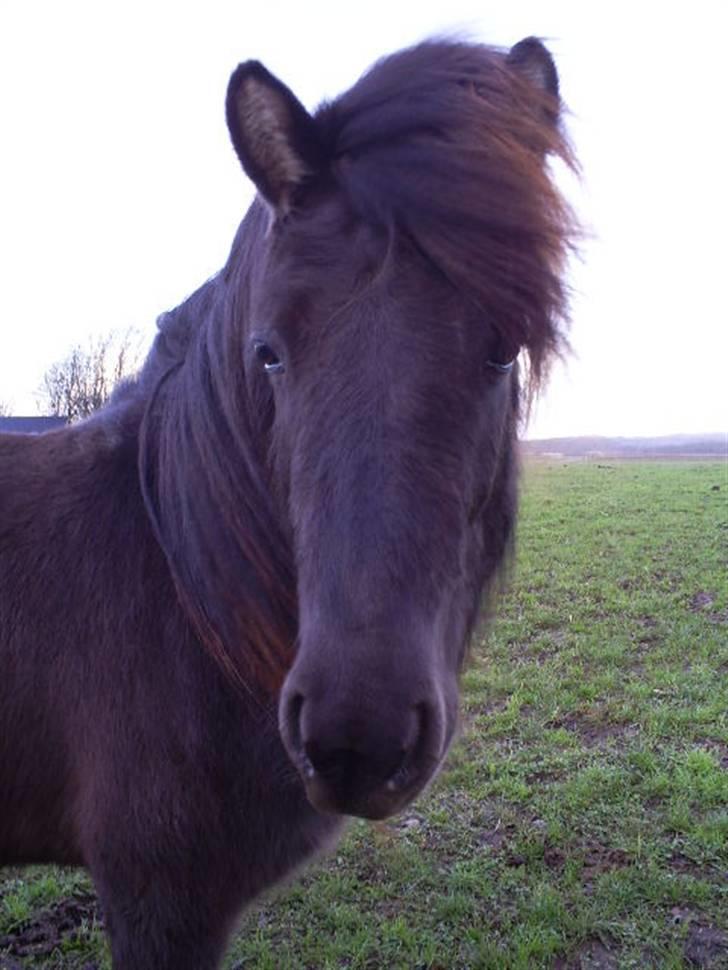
(203, 476)
(445, 142)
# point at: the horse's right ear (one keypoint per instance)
(274, 136)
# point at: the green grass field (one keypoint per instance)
(582, 821)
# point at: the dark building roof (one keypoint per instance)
(31, 425)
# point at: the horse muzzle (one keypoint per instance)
(361, 751)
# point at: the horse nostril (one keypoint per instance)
(417, 753)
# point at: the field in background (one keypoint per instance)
(695, 447)
(582, 821)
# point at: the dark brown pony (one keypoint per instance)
(234, 603)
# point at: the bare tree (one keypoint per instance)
(4, 409)
(84, 380)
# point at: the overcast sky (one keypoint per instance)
(120, 194)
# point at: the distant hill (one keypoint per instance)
(666, 446)
(32, 425)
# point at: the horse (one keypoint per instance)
(235, 602)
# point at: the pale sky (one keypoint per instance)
(120, 193)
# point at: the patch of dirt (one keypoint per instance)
(554, 858)
(645, 641)
(544, 777)
(591, 955)
(681, 914)
(592, 731)
(496, 838)
(468, 715)
(700, 601)
(682, 863)
(705, 946)
(716, 747)
(598, 859)
(649, 636)
(45, 931)
(721, 617)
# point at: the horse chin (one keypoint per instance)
(375, 806)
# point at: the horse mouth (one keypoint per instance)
(368, 797)
(379, 802)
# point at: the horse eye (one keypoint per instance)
(271, 363)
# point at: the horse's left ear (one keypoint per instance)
(532, 61)
(274, 136)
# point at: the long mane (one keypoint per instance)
(443, 143)
(203, 475)
(446, 143)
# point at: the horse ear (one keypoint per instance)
(274, 136)
(532, 61)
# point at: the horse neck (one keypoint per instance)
(81, 557)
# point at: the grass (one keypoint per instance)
(582, 820)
